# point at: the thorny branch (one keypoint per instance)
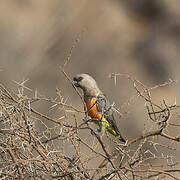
(31, 152)
(35, 145)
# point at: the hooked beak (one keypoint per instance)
(75, 83)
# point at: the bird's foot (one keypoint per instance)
(96, 131)
(87, 119)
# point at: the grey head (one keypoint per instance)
(87, 84)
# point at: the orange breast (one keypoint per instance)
(93, 109)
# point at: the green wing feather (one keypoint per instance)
(105, 108)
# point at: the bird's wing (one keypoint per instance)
(105, 108)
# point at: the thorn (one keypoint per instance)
(22, 84)
(154, 145)
(175, 103)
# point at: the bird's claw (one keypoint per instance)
(87, 119)
(95, 132)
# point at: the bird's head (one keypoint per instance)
(86, 83)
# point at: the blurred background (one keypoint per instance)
(140, 39)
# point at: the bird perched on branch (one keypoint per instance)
(98, 107)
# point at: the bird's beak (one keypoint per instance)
(75, 83)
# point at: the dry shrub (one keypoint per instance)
(36, 146)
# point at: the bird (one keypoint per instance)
(98, 106)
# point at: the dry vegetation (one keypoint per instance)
(140, 39)
(30, 152)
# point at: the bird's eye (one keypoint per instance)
(80, 78)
